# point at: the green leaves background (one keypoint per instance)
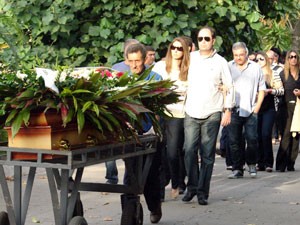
(92, 32)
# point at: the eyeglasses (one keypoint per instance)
(259, 59)
(293, 56)
(178, 48)
(207, 39)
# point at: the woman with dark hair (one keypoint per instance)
(175, 67)
(289, 145)
(267, 113)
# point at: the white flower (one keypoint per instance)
(49, 77)
(21, 76)
(81, 72)
(63, 76)
(86, 74)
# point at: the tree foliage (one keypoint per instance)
(92, 32)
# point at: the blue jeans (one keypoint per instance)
(264, 129)
(200, 133)
(111, 172)
(238, 125)
(175, 155)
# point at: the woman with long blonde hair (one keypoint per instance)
(267, 113)
(289, 145)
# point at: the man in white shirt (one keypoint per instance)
(205, 103)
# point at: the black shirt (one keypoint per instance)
(289, 86)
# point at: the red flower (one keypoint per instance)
(119, 74)
(64, 112)
(106, 73)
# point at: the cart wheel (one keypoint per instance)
(78, 210)
(4, 218)
(78, 220)
(132, 213)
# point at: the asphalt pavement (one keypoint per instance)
(269, 199)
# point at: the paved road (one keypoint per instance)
(270, 199)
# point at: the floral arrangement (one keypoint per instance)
(112, 102)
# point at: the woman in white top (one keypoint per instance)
(175, 67)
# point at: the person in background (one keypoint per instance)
(252, 56)
(250, 89)
(289, 145)
(175, 68)
(203, 113)
(150, 57)
(267, 113)
(276, 59)
(111, 166)
(273, 55)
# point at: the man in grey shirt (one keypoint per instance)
(249, 85)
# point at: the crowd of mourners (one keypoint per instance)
(251, 99)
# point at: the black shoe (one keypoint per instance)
(202, 201)
(156, 215)
(181, 190)
(188, 196)
(290, 168)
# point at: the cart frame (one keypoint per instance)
(58, 172)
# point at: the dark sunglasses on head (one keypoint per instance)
(260, 59)
(293, 56)
(205, 38)
(178, 48)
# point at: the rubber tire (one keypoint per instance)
(78, 220)
(4, 218)
(78, 210)
(132, 214)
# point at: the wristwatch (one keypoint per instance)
(228, 109)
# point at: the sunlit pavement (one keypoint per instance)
(270, 199)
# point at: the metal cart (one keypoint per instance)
(67, 206)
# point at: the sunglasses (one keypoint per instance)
(293, 56)
(178, 48)
(207, 39)
(259, 59)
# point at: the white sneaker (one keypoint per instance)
(252, 171)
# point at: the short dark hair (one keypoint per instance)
(149, 48)
(211, 29)
(276, 50)
(134, 48)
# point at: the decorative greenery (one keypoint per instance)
(112, 102)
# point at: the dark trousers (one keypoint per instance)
(175, 154)
(289, 145)
(152, 188)
(239, 126)
(265, 122)
(225, 147)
